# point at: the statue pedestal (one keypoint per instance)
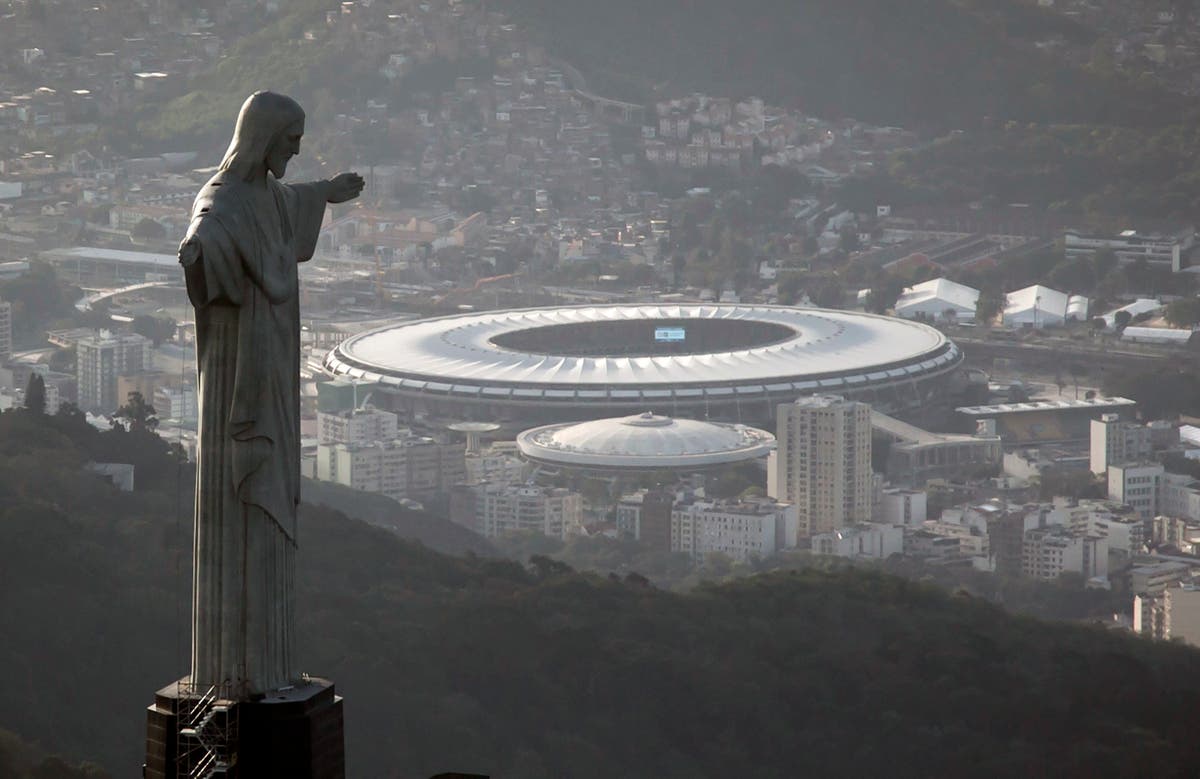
(294, 733)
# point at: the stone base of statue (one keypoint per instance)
(294, 732)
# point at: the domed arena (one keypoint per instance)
(643, 442)
(731, 363)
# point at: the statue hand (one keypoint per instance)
(189, 250)
(344, 186)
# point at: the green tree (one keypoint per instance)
(138, 413)
(1183, 313)
(35, 394)
(157, 329)
(148, 229)
(1104, 262)
(989, 306)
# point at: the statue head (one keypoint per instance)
(268, 132)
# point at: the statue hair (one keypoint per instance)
(264, 116)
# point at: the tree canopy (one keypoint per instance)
(488, 665)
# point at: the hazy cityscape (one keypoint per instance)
(673, 400)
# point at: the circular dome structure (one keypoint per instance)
(729, 362)
(644, 441)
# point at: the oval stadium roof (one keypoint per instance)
(834, 347)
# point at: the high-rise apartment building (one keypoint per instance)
(100, 359)
(1114, 442)
(823, 462)
(6, 346)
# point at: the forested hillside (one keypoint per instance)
(536, 671)
(916, 63)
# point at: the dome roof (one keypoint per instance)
(644, 441)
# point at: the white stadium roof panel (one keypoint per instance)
(786, 349)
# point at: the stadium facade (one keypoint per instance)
(730, 363)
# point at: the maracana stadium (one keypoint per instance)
(729, 363)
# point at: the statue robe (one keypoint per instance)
(245, 290)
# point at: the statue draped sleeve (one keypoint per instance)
(250, 243)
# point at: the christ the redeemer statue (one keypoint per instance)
(248, 232)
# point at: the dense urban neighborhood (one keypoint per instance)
(659, 332)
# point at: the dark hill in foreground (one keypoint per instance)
(483, 665)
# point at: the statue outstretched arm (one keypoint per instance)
(343, 187)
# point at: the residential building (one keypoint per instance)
(739, 529)
(875, 540)
(1006, 541)
(1179, 497)
(822, 464)
(1050, 551)
(933, 548)
(1138, 485)
(1114, 442)
(175, 402)
(1149, 585)
(6, 347)
(411, 468)
(100, 359)
(499, 509)
(971, 540)
(1154, 578)
(902, 507)
(1182, 606)
(146, 383)
(499, 463)
(357, 426)
(377, 467)
(1180, 532)
(646, 516)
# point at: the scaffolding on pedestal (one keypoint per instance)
(207, 736)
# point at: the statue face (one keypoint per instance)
(286, 146)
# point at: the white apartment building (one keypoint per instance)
(1172, 613)
(413, 468)
(499, 463)
(1048, 552)
(1183, 614)
(501, 509)
(1138, 486)
(1154, 578)
(356, 427)
(175, 402)
(1124, 529)
(739, 529)
(379, 467)
(902, 507)
(1181, 532)
(1179, 497)
(1114, 442)
(874, 540)
(6, 346)
(822, 464)
(100, 359)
